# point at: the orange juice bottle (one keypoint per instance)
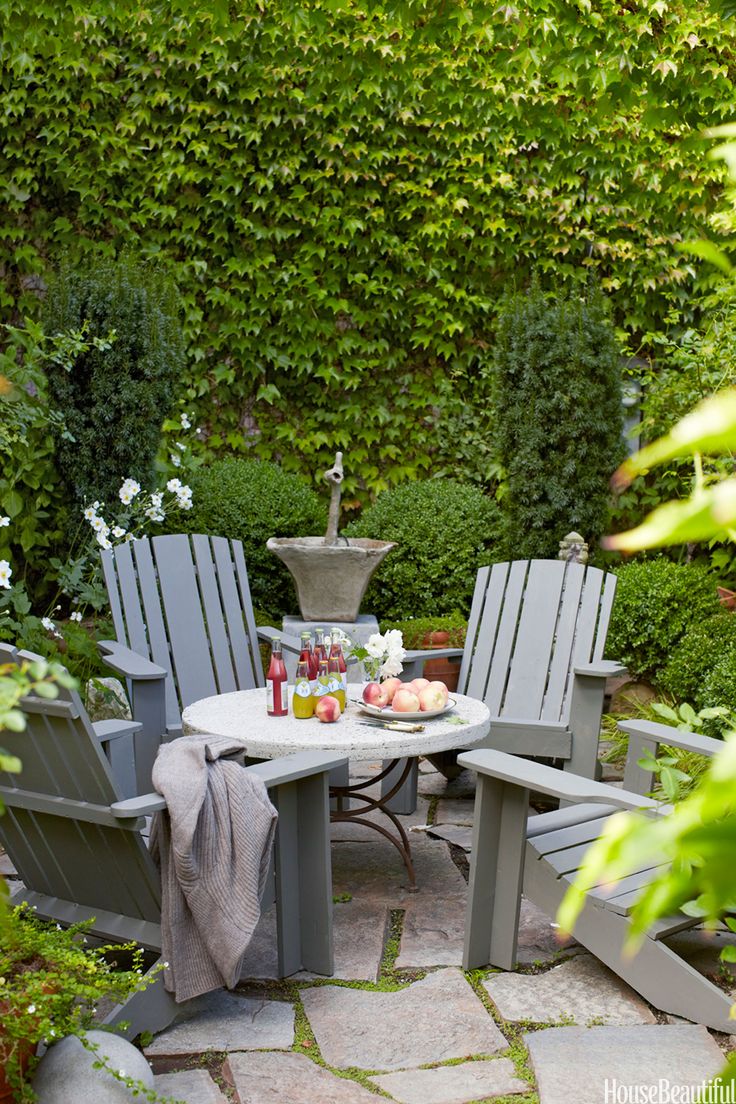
(303, 702)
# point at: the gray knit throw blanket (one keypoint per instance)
(213, 847)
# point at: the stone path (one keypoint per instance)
(399, 1000)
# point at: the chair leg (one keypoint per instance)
(152, 1010)
(586, 708)
(404, 800)
(496, 874)
(303, 877)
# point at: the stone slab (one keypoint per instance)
(458, 834)
(376, 871)
(436, 785)
(539, 939)
(432, 1020)
(189, 1087)
(226, 1021)
(291, 1079)
(582, 990)
(433, 933)
(359, 929)
(454, 810)
(574, 1065)
(454, 1084)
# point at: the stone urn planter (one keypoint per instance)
(331, 573)
(330, 579)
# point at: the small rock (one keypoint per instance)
(265, 1078)
(66, 1072)
(226, 1021)
(107, 700)
(453, 1084)
(189, 1086)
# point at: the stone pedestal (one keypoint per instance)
(358, 630)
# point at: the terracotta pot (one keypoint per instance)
(727, 598)
(444, 670)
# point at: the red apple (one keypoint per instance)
(405, 701)
(391, 685)
(440, 686)
(327, 709)
(375, 694)
(431, 698)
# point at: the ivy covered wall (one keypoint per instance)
(343, 190)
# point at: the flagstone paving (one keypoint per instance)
(581, 990)
(454, 1084)
(432, 1020)
(227, 1021)
(189, 1087)
(291, 1079)
(574, 1065)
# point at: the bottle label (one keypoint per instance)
(333, 685)
(322, 688)
(276, 696)
(303, 689)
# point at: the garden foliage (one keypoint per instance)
(559, 421)
(657, 603)
(690, 671)
(251, 500)
(342, 190)
(444, 531)
(116, 393)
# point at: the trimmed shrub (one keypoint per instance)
(657, 603)
(415, 629)
(116, 393)
(558, 417)
(719, 688)
(250, 501)
(444, 532)
(705, 647)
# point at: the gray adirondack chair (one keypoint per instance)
(80, 853)
(541, 856)
(534, 654)
(183, 618)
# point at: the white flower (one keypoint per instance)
(48, 624)
(128, 491)
(90, 514)
(4, 521)
(75, 616)
(181, 447)
(184, 498)
(390, 668)
(31, 1008)
(185, 423)
(157, 498)
(5, 573)
(104, 541)
(129, 537)
(100, 526)
(118, 532)
(175, 460)
(155, 514)
(174, 485)
(375, 646)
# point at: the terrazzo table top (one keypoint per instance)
(241, 715)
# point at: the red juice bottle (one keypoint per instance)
(320, 651)
(277, 686)
(307, 656)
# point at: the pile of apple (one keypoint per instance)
(420, 695)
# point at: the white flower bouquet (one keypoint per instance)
(382, 655)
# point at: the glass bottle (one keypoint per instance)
(307, 655)
(277, 686)
(320, 651)
(323, 681)
(334, 681)
(303, 702)
(336, 653)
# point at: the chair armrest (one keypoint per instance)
(656, 733)
(114, 728)
(138, 806)
(529, 775)
(602, 668)
(288, 643)
(128, 663)
(432, 653)
(290, 768)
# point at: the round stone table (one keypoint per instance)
(241, 715)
